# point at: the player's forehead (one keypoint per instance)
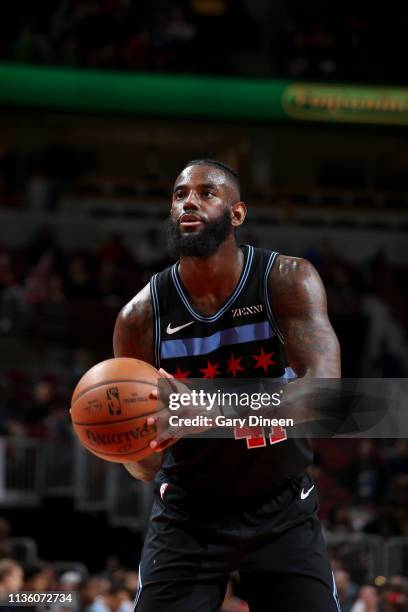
(201, 175)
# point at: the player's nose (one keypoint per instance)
(191, 201)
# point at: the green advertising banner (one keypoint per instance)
(146, 94)
(340, 103)
(198, 96)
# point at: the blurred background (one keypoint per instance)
(102, 104)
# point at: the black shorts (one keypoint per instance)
(277, 547)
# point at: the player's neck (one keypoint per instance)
(218, 273)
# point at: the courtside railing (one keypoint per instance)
(22, 471)
(396, 556)
(362, 554)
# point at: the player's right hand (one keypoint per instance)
(168, 435)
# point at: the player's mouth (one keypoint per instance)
(190, 221)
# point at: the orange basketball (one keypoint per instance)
(110, 406)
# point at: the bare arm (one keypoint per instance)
(299, 303)
(133, 337)
(311, 347)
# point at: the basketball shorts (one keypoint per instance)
(276, 546)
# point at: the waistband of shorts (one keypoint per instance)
(198, 499)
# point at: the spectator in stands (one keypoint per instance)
(55, 310)
(88, 593)
(11, 576)
(115, 599)
(36, 290)
(11, 295)
(131, 582)
(340, 519)
(367, 473)
(91, 594)
(37, 411)
(396, 460)
(38, 577)
(391, 517)
(69, 581)
(110, 284)
(346, 589)
(44, 241)
(394, 595)
(368, 600)
(80, 361)
(78, 280)
(11, 411)
(115, 251)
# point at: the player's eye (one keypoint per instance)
(179, 195)
(207, 194)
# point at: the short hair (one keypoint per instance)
(7, 566)
(229, 172)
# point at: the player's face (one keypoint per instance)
(201, 194)
(200, 217)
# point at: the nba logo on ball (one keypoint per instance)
(122, 388)
(114, 401)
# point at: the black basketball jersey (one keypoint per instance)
(241, 340)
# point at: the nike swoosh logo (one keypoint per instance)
(303, 495)
(173, 330)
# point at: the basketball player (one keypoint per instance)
(243, 504)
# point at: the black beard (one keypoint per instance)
(198, 244)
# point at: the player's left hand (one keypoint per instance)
(167, 434)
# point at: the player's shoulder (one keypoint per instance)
(294, 281)
(290, 269)
(133, 333)
(138, 311)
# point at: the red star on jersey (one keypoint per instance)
(180, 374)
(264, 360)
(211, 371)
(234, 365)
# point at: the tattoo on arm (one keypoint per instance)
(299, 303)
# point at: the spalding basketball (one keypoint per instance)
(110, 406)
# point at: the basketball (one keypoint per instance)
(110, 406)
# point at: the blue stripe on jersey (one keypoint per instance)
(244, 277)
(188, 347)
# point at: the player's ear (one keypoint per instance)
(238, 213)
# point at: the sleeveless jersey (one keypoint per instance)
(241, 340)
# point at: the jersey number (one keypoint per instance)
(255, 436)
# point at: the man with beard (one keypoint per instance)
(243, 504)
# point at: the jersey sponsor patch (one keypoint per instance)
(246, 310)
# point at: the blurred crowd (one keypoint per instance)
(50, 302)
(114, 586)
(192, 35)
(112, 589)
(279, 39)
(106, 592)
